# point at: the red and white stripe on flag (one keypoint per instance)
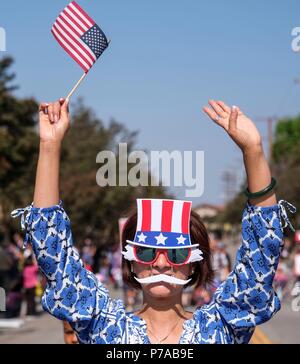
(68, 29)
(164, 215)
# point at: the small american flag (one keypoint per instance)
(79, 35)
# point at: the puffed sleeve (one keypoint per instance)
(72, 293)
(247, 297)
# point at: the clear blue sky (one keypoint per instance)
(165, 60)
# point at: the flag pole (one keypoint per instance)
(81, 79)
(75, 87)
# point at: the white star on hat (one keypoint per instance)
(181, 240)
(160, 239)
(142, 238)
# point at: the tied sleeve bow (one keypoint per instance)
(26, 218)
(283, 205)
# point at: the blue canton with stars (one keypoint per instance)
(96, 40)
(245, 300)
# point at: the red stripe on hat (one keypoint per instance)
(166, 216)
(186, 210)
(146, 217)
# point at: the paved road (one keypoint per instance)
(41, 330)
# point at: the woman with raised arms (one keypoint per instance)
(165, 248)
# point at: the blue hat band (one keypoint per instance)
(158, 239)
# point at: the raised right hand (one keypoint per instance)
(238, 126)
(54, 121)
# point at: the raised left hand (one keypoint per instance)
(238, 126)
(54, 121)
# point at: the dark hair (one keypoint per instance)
(203, 272)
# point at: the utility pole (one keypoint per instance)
(270, 122)
(230, 184)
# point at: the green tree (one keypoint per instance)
(287, 138)
(18, 147)
(287, 162)
(233, 210)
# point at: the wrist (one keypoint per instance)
(253, 150)
(50, 146)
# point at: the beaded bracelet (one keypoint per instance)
(263, 192)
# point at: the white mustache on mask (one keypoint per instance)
(162, 278)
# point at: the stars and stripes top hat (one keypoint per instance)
(163, 224)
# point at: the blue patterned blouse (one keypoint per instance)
(244, 300)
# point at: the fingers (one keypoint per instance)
(218, 109)
(51, 112)
(224, 106)
(211, 113)
(223, 115)
(233, 120)
(43, 108)
(55, 109)
(216, 114)
(65, 108)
